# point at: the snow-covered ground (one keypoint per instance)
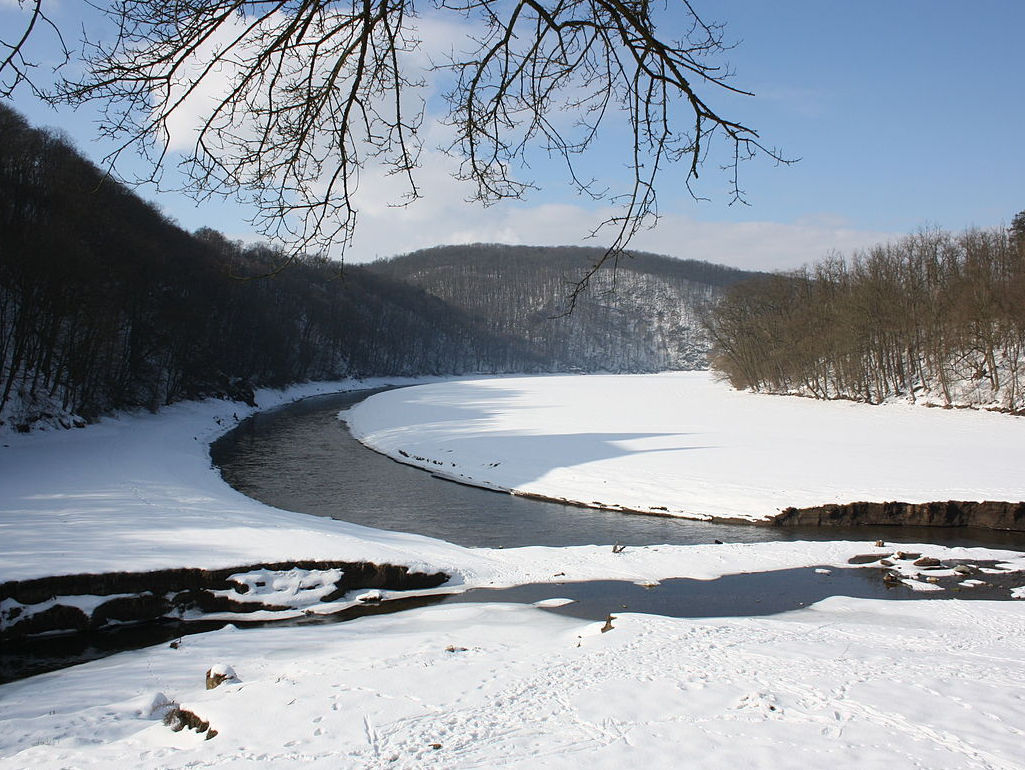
(847, 682)
(139, 493)
(686, 445)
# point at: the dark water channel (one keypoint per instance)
(747, 594)
(300, 457)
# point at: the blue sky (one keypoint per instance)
(905, 114)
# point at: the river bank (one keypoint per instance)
(681, 444)
(845, 680)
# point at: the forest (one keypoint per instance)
(105, 304)
(640, 315)
(935, 317)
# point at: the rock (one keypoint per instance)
(886, 562)
(906, 556)
(608, 624)
(927, 561)
(866, 558)
(880, 544)
(59, 617)
(125, 609)
(965, 569)
(219, 674)
(178, 719)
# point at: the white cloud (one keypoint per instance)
(755, 245)
(444, 217)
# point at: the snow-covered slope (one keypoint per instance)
(686, 445)
(138, 493)
(847, 683)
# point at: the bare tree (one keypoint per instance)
(1017, 228)
(934, 314)
(296, 97)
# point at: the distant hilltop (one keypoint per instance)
(637, 314)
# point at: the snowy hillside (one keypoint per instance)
(640, 315)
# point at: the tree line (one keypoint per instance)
(105, 304)
(936, 316)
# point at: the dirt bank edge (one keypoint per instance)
(988, 514)
(142, 596)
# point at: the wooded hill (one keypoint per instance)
(105, 304)
(639, 316)
(935, 316)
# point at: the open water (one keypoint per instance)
(301, 457)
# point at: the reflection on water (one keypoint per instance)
(22, 658)
(741, 595)
(302, 458)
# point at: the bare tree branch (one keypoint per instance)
(292, 99)
(15, 68)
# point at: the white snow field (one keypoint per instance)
(842, 683)
(686, 445)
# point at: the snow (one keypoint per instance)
(87, 603)
(222, 670)
(920, 585)
(972, 583)
(849, 683)
(139, 491)
(686, 445)
(845, 682)
(293, 587)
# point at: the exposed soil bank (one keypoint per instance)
(54, 604)
(989, 514)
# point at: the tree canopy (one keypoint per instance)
(292, 99)
(936, 316)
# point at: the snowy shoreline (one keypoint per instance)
(683, 445)
(845, 681)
